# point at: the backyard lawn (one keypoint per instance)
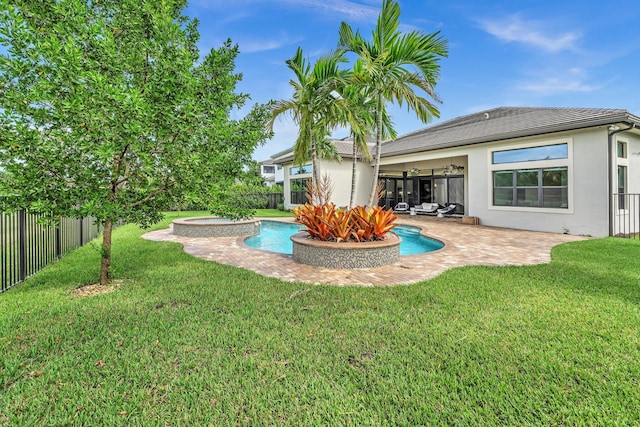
(183, 341)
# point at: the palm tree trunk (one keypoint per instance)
(376, 167)
(314, 166)
(353, 174)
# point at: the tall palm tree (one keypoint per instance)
(356, 109)
(312, 106)
(391, 65)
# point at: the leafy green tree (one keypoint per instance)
(312, 104)
(107, 110)
(391, 65)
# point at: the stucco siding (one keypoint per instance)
(586, 213)
(634, 163)
(339, 174)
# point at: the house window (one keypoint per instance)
(531, 154)
(269, 169)
(299, 190)
(541, 187)
(622, 186)
(299, 170)
(622, 150)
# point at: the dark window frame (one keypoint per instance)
(518, 190)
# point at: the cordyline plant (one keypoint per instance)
(107, 110)
(361, 224)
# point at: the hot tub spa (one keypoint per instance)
(215, 227)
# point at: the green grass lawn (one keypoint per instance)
(184, 341)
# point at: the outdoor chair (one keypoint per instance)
(427, 208)
(448, 210)
(401, 207)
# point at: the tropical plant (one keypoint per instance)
(327, 223)
(319, 192)
(108, 110)
(356, 109)
(391, 65)
(311, 106)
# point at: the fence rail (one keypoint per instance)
(27, 246)
(626, 215)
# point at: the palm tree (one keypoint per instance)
(391, 65)
(311, 106)
(356, 109)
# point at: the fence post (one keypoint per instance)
(58, 241)
(81, 232)
(22, 250)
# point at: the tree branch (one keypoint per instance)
(152, 195)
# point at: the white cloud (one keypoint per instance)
(348, 10)
(252, 46)
(515, 29)
(574, 80)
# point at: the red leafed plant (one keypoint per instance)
(360, 224)
(342, 225)
(317, 219)
(382, 221)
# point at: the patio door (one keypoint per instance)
(425, 191)
(440, 192)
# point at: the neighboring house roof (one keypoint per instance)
(504, 123)
(344, 146)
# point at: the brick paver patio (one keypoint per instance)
(464, 245)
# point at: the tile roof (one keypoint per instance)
(504, 123)
(344, 147)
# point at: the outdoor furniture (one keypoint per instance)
(448, 210)
(427, 208)
(401, 207)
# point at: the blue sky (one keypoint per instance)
(562, 53)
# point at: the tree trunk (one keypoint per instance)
(376, 167)
(353, 174)
(105, 263)
(314, 166)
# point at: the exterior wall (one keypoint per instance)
(626, 217)
(340, 175)
(587, 213)
(633, 160)
(279, 177)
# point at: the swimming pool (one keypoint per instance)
(275, 236)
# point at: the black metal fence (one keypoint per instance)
(275, 199)
(27, 246)
(626, 216)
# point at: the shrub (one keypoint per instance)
(360, 224)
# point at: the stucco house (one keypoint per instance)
(564, 170)
(271, 173)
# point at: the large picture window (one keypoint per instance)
(541, 187)
(300, 170)
(299, 190)
(531, 154)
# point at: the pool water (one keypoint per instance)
(413, 242)
(275, 236)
